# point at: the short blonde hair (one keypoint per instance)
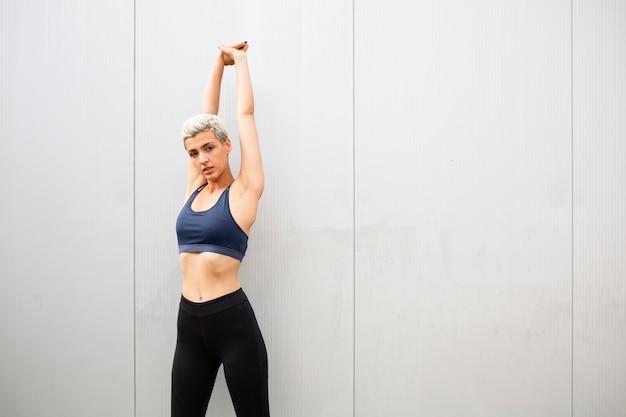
(203, 123)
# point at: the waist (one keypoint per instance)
(208, 275)
(208, 264)
(214, 306)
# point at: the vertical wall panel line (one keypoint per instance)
(134, 208)
(572, 191)
(353, 215)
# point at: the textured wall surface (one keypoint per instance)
(463, 208)
(441, 233)
(599, 206)
(298, 271)
(66, 211)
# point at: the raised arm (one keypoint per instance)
(211, 97)
(251, 175)
(210, 105)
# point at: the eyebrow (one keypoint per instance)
(202, 146)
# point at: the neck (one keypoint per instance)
(220, 183)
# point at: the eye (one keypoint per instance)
(193, 154)
(209, 148)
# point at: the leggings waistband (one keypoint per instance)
(215, 306)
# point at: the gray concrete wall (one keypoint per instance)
(442, 230)
(67, 210)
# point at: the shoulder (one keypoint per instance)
(194, 187)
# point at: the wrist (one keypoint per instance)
(219, 59)
(240, 56)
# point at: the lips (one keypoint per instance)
(207, 170)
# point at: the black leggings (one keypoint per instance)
(219, 331)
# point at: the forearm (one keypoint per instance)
(251, 170)
(245, 98)
(211, 97)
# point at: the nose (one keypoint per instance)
(203, 157)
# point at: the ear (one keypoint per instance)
(228, 145)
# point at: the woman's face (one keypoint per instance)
(209, 155)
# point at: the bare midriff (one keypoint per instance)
(207, 276)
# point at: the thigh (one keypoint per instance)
(193, 372)
(245, 364)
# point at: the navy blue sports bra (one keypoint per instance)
(212, 230)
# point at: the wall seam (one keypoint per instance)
(353, 215)
(134, 208)
(572, 192)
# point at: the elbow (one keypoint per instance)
(247, 111)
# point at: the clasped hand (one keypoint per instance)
(231, 51)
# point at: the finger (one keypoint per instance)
(238, 45)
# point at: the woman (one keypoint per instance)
(216, 324)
